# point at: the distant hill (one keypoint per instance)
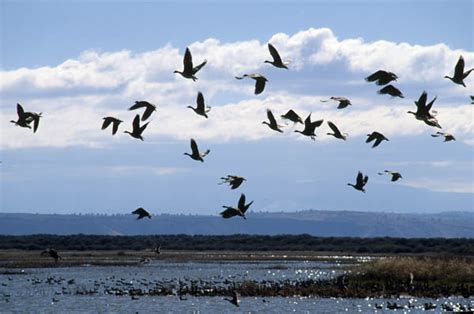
(312, 222)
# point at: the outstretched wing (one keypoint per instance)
(138, 105)
(334, 128)
(459, 69)
(198, 67)
(375, 76)
(271, 117)
(317, 123)
(188, 61)
(107, 122)
(136, 123)
(259, 86)
(205, 153)
(20, 111)
(360, 178)
(194, 148)
(247, 207)
(228, 212)
(200, 102)
(275, 54)
(241, 204)
(421, 103)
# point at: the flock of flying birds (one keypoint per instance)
(380, 77)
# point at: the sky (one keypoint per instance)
(80, 61)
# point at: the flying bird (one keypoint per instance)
(35, 118)
(381, 77)
(447, 137)
(235, 298)
(392, 91)
(361, 181)
(378, 137)
(236, 211)
(395, 175)
(337, 133)
(343, 101)
(137, 130)
(459, 74)
(189, 70)
(276, 58)
(25, 118)
(111, 120)
(52, 253)
(292, 116)
(149, 108)
(260, 81)
(310, 126)
(141, 213)
(201, 108)
(233, 181)
(272, 124)
(423, 111)
(196, 155)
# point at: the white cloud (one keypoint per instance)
(441, 185)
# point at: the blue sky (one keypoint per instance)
(79, 62)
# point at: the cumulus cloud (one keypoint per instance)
(76, 94)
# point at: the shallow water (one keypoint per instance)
(59, 289)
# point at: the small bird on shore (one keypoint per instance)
(395, 175)
(235, 298)
(459, 74)
(337, 133)
(309, 127)
(195, 154)
(277, 62)
(141, 213)
(236, 211)
(378, 137)
(111, 120)
(137, 130)
(272, 122)
(292, 116)
(149, 108)
(201, 108)
(381, 77)
(189, 70)
(52, 253)
(447, 137)
(233, 181)
(392, 91)
(343, 101)
(260, 81)
(361, 181)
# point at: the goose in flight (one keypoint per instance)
(189, 70)
(361, 181)
(459, 74)
(196, 155)
(277, 62)
(395, 175)
(381, 77)
(25, 118)
(447, 137)
(137, 130)
(236, 211)
(149, 108)
(423, 111)
(201, 108)
(378, 137)
(111, 120)
(233, 181)
(35, 118)
(52, 253)
(272, 124)
(337, 133)
(292, 116)
(343, 101)
(392, 91)
(141, 213)
(235, 298)
(260, 81)
(310, 126)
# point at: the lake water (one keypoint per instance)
(66, 289)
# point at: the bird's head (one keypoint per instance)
(190, 107)
(413, 113)
(176, 71)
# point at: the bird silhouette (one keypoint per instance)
(361, 181)
(111, 120)
(141, 213)
(337, 133)
(189, 70)
(423, 111)
(343, 101)
(201, 108)
(272, 124)
(35, 118)
(137, 130)
(195, 154)
(392, 91)
(447, 137)
(236, 211)
(277, 62)
(52, 253)
(25, 118)
(149, 108)
(260, 81)
(378, 137)
(395, 175)
(381, 77)
(459, 74)
(233, 181)
(235, 299)
(309, 127)
(292, 116)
